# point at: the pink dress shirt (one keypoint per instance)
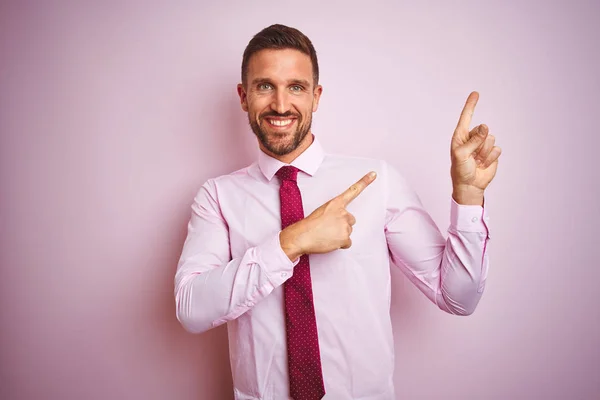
(232, 270)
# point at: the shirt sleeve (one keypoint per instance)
(211, 288)
(451, 272)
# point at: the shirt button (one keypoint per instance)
(474, 219)
(283, 274)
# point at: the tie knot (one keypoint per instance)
(287, 173)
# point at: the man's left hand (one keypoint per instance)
(474, 157)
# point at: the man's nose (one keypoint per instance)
(280, 103)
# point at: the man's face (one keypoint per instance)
(280, 98)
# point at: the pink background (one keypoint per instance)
(112, 116)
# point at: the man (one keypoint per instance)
(293, 253)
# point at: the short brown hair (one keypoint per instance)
(280, 37)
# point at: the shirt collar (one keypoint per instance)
(308, 162)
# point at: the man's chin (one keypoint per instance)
(279, 139)
(279, 149)
(280, 142)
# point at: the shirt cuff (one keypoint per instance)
(274, 261)
(469, 218)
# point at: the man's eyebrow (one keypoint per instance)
(256, 81)
(302, 82)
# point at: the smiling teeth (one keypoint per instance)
(280, 123)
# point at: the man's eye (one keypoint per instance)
(296, 88)
(264, 86)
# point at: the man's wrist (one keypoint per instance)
(289, 245)
(468, 195)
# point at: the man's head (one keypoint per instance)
(279, 89)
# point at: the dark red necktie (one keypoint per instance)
(304, 359)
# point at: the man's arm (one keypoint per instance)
(211, 288)
(450, 272)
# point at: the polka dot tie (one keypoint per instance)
(304, 359)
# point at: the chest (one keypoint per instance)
(253, 212)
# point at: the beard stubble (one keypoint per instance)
(285, 148)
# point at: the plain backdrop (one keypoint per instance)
(113, 114)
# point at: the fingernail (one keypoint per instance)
(372, 175)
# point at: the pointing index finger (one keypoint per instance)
(353, 191)
(465, 117)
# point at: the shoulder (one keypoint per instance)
(229, 181)
(382, 167)
(390, 182)
(347, 160)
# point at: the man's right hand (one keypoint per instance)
(326, 229)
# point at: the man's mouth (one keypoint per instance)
(280, 123)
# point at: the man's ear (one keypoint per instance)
(317, 96)
(243, 96)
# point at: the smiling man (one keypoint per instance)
(294, 251)
(281, 123)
